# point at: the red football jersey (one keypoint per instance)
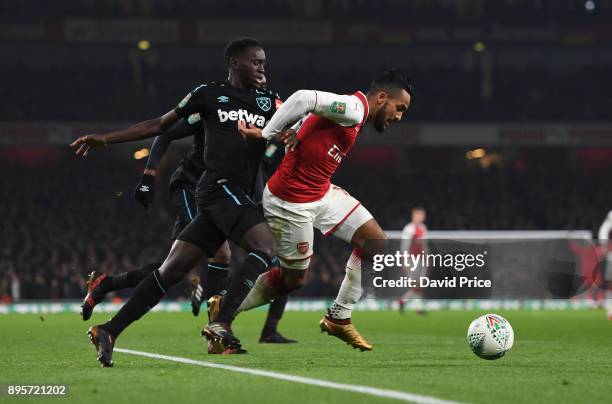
(304, 175)
(417, 246)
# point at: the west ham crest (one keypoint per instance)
(264, 103)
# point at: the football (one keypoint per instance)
(490, 336)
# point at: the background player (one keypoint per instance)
(413, 242)
(300, 196)
(606, 265)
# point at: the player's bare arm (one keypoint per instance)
(141, 130)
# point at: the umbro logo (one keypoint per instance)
(223, 98)
(144, 188)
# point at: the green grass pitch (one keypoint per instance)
(558, 356)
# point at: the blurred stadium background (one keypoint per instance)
(510, 127)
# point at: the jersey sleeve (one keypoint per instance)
(193, 104)
(345, 110)
(161, 143)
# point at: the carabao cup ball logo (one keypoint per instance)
(498, 329)
(264, 103)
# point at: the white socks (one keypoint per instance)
(260, 294)
(350, 290)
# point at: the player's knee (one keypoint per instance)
(374, 231)
(265, 246)
(177, 265)
(293, 279)
(171, 278)
(182, 258)
(296, 283)
(369, 233)
(259, 238)
(223, 255)
(173, 271)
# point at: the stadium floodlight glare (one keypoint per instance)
(476, 154)
(589, 5)
(144, 45)
(479, 47)
(140, 154)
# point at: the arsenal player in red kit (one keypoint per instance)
(300, 196)
(413, 242)
(414, 232)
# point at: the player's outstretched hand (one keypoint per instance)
(249, 131)
(85, 144)
(289, 137)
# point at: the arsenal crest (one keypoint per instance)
(302, 247)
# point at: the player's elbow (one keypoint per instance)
(164, 122)
(303, 94)
(305, 100)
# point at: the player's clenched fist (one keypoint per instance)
(84, 144)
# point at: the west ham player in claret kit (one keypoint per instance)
(300, 196)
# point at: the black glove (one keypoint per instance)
(145, 191)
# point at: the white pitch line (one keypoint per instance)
(373, 391)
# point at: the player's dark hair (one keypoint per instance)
(392, 80)
(237, 46)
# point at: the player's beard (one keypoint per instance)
(380, 120)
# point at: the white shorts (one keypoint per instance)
(292, 224)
